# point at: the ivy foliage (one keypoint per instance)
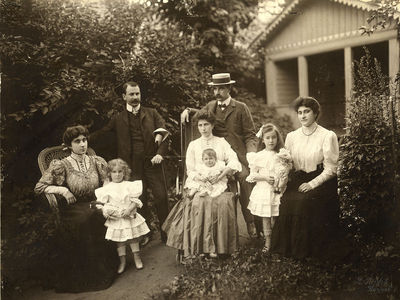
(251, 274)
(385, 15)
(369, 156)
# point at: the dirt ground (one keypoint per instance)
(160, 268)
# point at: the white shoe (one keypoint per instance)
(138, 261)
(121, 267)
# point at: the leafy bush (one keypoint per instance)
(369, 151)
(27, 239)
(250, 274)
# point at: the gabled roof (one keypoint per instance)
(290, 9)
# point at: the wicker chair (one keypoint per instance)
(44, 159)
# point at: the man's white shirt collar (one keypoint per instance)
(226, 101)
(132, 109)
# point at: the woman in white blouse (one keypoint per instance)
(205, 224)
(308, 217)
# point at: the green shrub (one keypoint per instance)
(368, 155)
(250, 274)
(28, 230)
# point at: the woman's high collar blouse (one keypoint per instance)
(194, 153)
(308, 151)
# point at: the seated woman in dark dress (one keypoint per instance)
(308, 219)
(86, 261)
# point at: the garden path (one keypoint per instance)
(160, 269)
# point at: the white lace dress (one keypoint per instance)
(264, 202)
(116, 198)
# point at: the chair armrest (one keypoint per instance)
(234, 186)
(51, 198)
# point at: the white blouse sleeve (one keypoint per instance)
(190, 161)
(330, 149)
(251, 159)
(230, 157)
(137, 201)
(220, 166)
(134, 188)
(101, 194)
(288, 141)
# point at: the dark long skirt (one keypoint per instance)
(86, 261)
(308, 223)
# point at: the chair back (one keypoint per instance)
(58, 152)
(190, 132)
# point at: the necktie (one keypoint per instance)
(222, 106)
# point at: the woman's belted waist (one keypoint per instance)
(304, 176)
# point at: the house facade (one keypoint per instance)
(309, 49)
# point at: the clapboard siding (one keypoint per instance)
(287, 81)
(315, 22)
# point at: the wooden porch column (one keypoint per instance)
(303, 75)
(270, 78)
(348, 72)
(394, 59)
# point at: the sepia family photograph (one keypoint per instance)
(200, 149)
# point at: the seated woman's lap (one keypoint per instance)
(203, 220)
(84, 252)
(213, 224)
(321, 200)
(306, 220)
(227, 239)
(79, 216)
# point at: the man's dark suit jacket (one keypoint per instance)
(119, 125)
(240, 131)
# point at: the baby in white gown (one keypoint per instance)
(201, 180)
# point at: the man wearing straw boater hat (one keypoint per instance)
(235, 124)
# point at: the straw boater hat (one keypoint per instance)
(221, 79)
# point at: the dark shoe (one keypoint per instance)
(145, 240)
(163, 237)
(251, 229)
(180, 259)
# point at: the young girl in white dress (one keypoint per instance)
(199, 181)
(266, 169)
(119, 201)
